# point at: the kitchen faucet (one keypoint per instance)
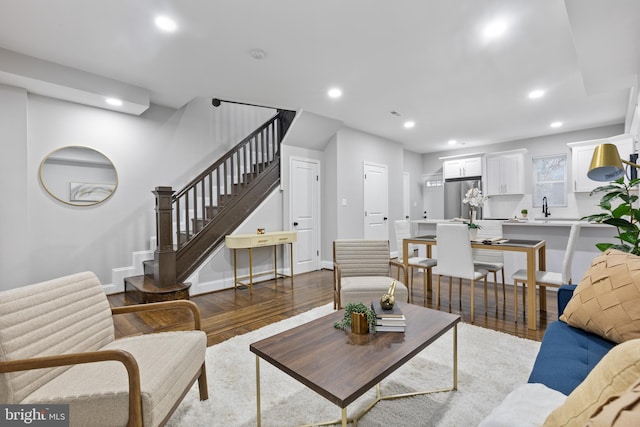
(545, 207)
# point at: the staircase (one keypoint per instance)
(211, 206)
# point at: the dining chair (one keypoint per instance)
(547, 278)
(490, 260)
(455, 259)
(403, 231)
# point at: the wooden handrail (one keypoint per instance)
(198, 202)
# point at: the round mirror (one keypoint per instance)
(79, 176)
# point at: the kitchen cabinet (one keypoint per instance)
(581, 153)
(505, 173)
(462, 168)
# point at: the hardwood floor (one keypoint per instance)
(233, 312)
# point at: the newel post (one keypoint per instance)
(164, 269)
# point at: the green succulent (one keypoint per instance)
(359, 307)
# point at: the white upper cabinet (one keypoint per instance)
(505, 173)
(462, 168)
(581, 153)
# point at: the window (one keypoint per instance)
(550, 180)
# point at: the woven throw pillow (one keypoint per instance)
(606, 302)
(619, 411)
(614, 374)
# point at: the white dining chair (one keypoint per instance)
(547, 278)
(403, 231)
(487, 259)
(455, 259)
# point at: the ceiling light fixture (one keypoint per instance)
(409, 124)
(257, 54)
(495, 29)
(114, 101)
(452, 142)
(335, 93)
(166, 24)
(538, 93)
(556, 124)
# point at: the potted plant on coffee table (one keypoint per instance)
(353, 310)
(524, 213)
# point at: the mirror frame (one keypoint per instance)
(70, 202)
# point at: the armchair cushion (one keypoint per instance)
(367, 288)
(103, 399)
(66, 315)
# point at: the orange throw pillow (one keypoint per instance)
(606, 302)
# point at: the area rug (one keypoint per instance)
(490, 365)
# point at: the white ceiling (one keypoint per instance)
(425, 59)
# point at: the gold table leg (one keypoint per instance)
(251, 271)
(258, 420)
(235, 270)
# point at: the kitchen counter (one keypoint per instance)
(537, 222)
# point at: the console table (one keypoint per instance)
(250, 241)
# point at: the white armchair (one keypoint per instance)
(57, 346)
(361, 272)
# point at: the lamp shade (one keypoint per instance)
(605, 164)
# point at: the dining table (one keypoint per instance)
(529, 247)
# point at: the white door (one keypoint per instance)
(433, 196)
(375, 202)
(305, 206)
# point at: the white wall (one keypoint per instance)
(43, 238)
(15, 180)
(579, 204)
(412, 163)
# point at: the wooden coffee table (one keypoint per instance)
(342, 366)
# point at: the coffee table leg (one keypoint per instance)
(258, 421)
(455, 356)
(344, 417)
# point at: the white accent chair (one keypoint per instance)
(547, 278)
(57, 346)
(487, 259)
(361, 272)
(403, 231)
(455, 259)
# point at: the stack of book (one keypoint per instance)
(389, 320)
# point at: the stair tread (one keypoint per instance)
(148, 285)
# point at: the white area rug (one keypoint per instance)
(490, 365)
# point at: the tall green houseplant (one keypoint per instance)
(618, 202)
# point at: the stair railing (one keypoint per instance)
(194, 206)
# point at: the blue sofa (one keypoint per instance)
(567, 354)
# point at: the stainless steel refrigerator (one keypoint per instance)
(454, 192)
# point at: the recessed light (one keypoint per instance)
(409, 124)
(538, 93)
(452, 142)
(165, 23)
(114, 101)
(495, 29)
(335, 93)
(257, 54)
(556, 124)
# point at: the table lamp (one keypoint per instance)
(606, 164)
